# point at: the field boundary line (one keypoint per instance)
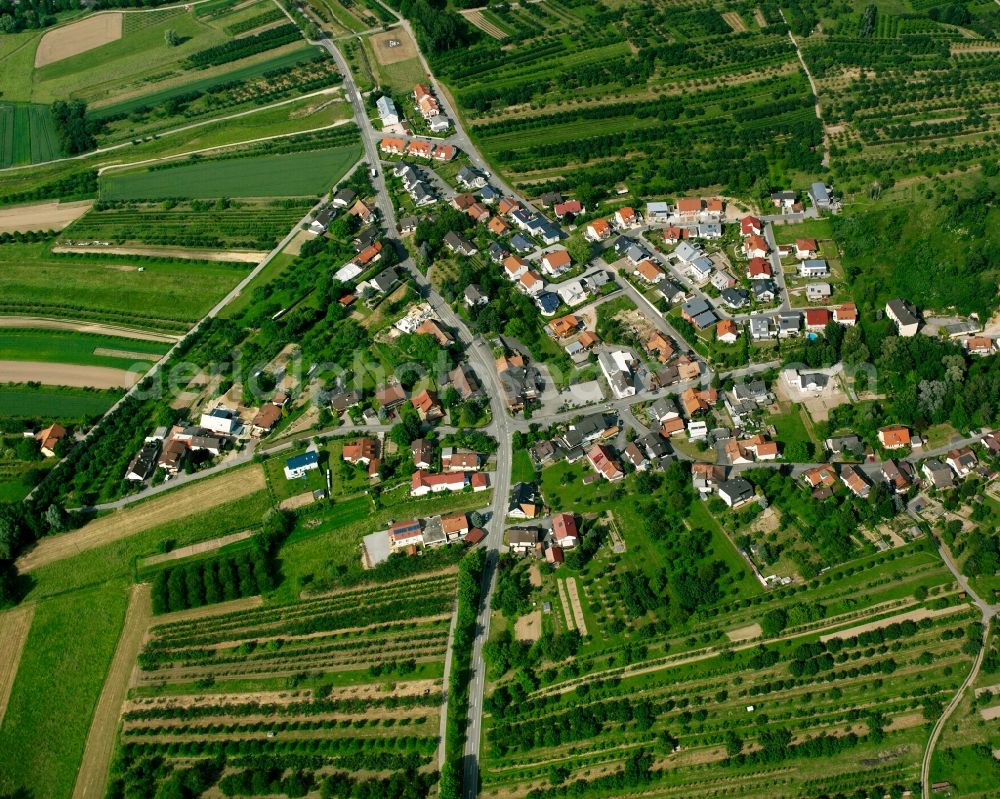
(15, 624)
(93, 773)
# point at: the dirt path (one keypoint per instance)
(911, 615)
(78, 37)
(64, 374)
(14, 627)
(747, 633)
(44, 323)
(93, 773)
(229, 256)
(206, 612)
(42, 216)
(566, 606)
(195, 549)
(135, 356)
(120, 524)
(574, 598)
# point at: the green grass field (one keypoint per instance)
(63, 346)
(59, 680)
(286, 175)
(27, 134)
(34, 282)
(53, 403)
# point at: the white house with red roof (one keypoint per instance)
(564, 531)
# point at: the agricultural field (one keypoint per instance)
(903, 87)
(288, 175)
(59, 346)
(348, 681)
(780, 694)
(112, 289)
(257, 226)
(586, 95)
(54, 403)
(27, 134)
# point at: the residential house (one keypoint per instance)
(617, 367)
(455, 526)
(474, 296)
(391, 146)
(143, 465)
(980, 345)
(751, 226)
(735, 492)
(784, 199)
(408, 224)
(385, 280)
(531, 283)
(422, 451)
(673, 234)
(760, 328)
(716, 207)
(727, 332)
(556, 262)
(565, 325)
(444, 152)
(734, 298)
(655, 445)
(456, 459)
(555, 556)
(497, 226)
(430, 327)
(423, 483)
(764, 290)
(390, 395)
(709, 230)
(361, 450)
(846, 314)
(174, 452)
(459, 244)
(688, 368)
(759, 269)
(515, 266)
(387, 111)
(626, 217)
(723, 280)
(523, 502)
(477, 212)
(992, 442)
(635, 456)
(603, 461)
(636, 253)
(427, 406)
(658, 212)
(220, 420)
(812, 382)
(322, 221)
(894, 437)
(817, 319)
(544, 453)
(49, 438)
(568, 208)
(699, 313)
(404, 534)
(695, 401)
(598, 230)
(298, 465)
(904, 315)
(940, 475)
(265, 420)
(659, 347)
(518, 381)
(564, 530)
(420, 149)
(471, 178)
(706, 477)
(756, 247)
(962, 461)
(522, 540)
(814, 267)
(521, 244)
(898, 474)
(816, 292)
(848, 444)
(806, 248)
(856, 480)
(789, 323)
(820, 477)
(820, 195)
(689, 208)
(548, 303)
(649, 272)
(342, 400)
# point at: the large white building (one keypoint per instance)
(387, 111)
(220, 420)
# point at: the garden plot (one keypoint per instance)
(43, 216)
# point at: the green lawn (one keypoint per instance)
(59, 679)
(791, 427)
(287, 175)
(63, 346)
(110, 288)
(819, 229)
(522, 469)
(51, 403)
(282, 488)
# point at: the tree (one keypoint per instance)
(734, 744)
(9, 583)
(171, 37)
(773, 622)
(56, 519)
